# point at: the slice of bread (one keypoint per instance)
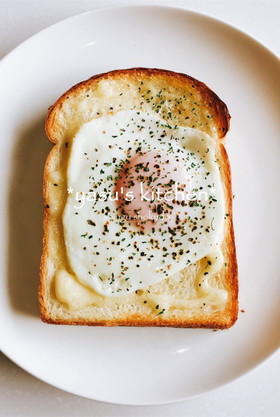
(63, 299)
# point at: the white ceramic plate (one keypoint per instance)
(141, 365)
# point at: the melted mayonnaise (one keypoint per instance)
(77, 296)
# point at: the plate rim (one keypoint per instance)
(166, 8)
(143, 6)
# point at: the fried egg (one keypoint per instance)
(145, 200)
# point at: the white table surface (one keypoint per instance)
(255, 394)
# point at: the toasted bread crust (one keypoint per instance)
(222, 116)
(220, 120)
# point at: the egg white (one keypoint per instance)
(103, 256)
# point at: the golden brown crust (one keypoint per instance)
(232, 260)
(221, 119)
(42, 283)
(139, 322)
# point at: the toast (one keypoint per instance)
(179, 100)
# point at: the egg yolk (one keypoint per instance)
(152, 189)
